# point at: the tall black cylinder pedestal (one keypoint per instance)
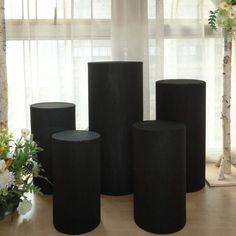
(159, 176)
(76, 175)
(115, 103)
(46, 119)
(185, 101)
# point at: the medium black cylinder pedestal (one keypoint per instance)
(159, 149)
(115, 103)
(76, 175)
(185, 101)
(46, 119)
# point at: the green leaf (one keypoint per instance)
(233, 2)
(212, 19)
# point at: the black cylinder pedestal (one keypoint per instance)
(46, 119)
(159, 149)
(184, 101)
(115, 103)
(76, 175)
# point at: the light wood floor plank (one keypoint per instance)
(210, 212)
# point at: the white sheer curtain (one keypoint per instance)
(129, 36)
(192, 50)
(49, 43)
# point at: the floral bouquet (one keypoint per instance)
(18, 166)
(224, 16)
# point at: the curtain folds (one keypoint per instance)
(49, 43)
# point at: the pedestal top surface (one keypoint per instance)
(114, 62)
(52, 105)
(76, 136)
(158, 125)
(180, 82)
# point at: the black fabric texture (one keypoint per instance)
(185, 101)
(76, 175)
(47, 119)
(159, 157)
(115, 103)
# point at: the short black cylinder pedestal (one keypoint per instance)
(184, 100)
(159, 149)
(76, 175)
(115, 103)
(46, 119)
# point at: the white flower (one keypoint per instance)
(34, 143)
(232, 14)
(2, 166)
(234, 8)
(9, 155)
(224, 5)
(7, 179)
(24, 207)
(25, 133)
(36, 169)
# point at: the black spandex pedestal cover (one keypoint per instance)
(184, 100)
(115, 103)
(46, 119)
(159, 149)
(76, 165)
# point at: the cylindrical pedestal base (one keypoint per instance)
(76, 175)
(115, 103)
(185, 101)
(46, 119)
(159, 176)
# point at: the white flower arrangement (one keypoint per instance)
(18, 166)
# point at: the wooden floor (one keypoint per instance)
(210, 212)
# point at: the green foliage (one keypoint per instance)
(23, 156)
(224, 16)
(224, 22)
(21, 163)
(9, 203)
(212, 19)
(232, 2)
(27, 169)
